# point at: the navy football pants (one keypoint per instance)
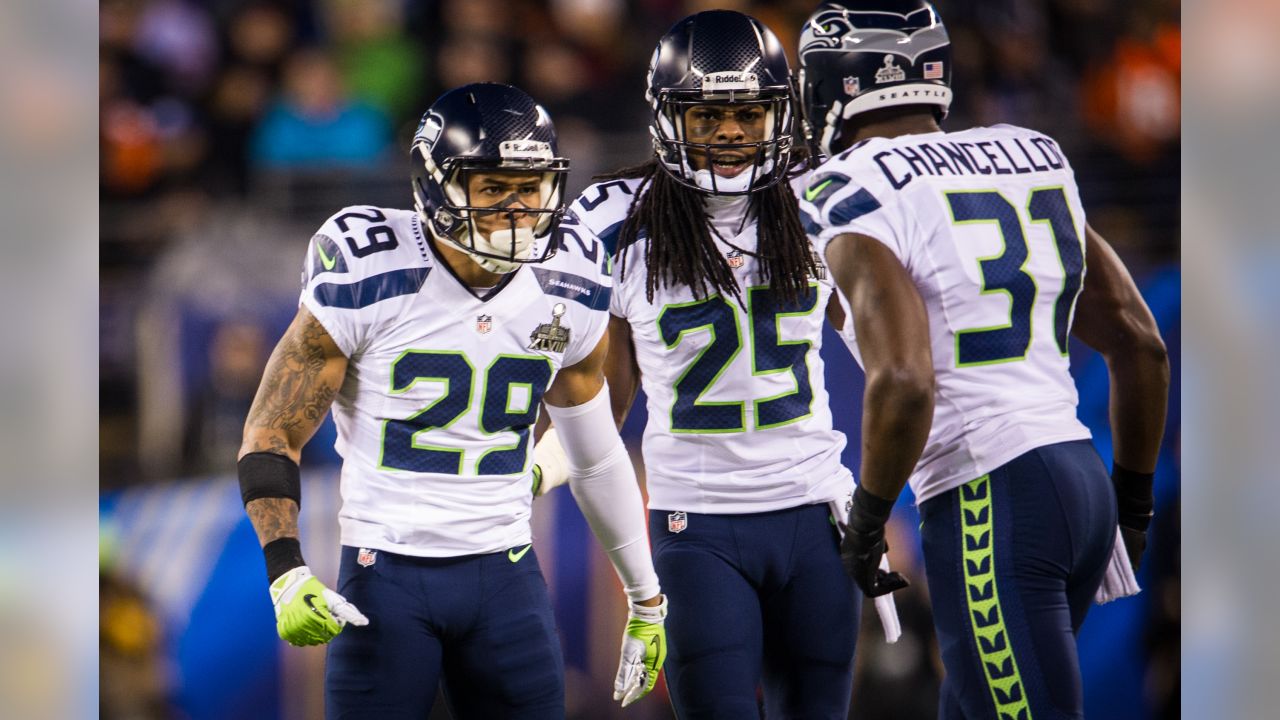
(481, 622)
(1013, 560)
(757, 599)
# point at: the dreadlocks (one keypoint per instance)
(679, 249)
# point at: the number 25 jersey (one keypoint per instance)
(435, 414)
(739, 420)
(988, 224)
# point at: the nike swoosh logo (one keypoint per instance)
(310, 600)
(329, 262)
(812, 192)
(515, 556)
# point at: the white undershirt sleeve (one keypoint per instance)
(603, 482)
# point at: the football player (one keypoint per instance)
(718, 310)
(962, 256)
(434, 334)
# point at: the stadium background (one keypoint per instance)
(230, 130)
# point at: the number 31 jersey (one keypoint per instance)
(435, 414)
(989, 225)
(739, 420)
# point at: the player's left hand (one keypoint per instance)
(644, 649)
(551, 465)
(861, 553)
(864, 544)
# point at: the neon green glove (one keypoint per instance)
(644, 649)
(307, 612)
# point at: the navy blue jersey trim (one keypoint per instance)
(811, 228)
(372, 289)
(610, 236)
(853, 207)
(573, 287)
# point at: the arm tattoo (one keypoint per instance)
(273, 518)
(294, 397)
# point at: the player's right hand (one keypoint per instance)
(307, 612)
(1135, 502)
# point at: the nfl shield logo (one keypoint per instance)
(484, 323)
(366, 557)
(852, 86)
(735, 259)
(677, 521)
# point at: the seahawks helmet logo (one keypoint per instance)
(827, 30)
(429, 131)
(918, 32)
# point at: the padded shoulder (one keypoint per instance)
(603, 207)
(363, 255)
(581, 268)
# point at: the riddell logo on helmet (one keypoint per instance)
(725, 81)
(521, 149)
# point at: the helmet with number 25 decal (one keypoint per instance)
(497, 131)
(856, 57)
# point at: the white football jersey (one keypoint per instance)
(739, 420)
(434, 417)
(989, 225)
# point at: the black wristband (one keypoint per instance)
(268, 475)
(282, 554)
(869, 512)
(1134, 496)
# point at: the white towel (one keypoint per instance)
(888, 611)
(885, 606)
(1119, 581)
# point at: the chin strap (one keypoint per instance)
(499, 241)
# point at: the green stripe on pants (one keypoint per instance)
(983, 598)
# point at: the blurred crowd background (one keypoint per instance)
(230, 129)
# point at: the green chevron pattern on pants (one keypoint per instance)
(983, 598)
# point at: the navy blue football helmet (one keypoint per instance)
(862, 56)
(721, 57)
(488, 127)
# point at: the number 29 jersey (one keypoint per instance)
(989, 225)
(738, 417)
(442, 388)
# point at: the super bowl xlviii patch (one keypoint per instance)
(484, 323)
(677, 521)
(817, 263)
(890, 72)
(551, 337)
(366, 557)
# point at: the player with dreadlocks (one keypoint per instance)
(679, 249)
(718, 309)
